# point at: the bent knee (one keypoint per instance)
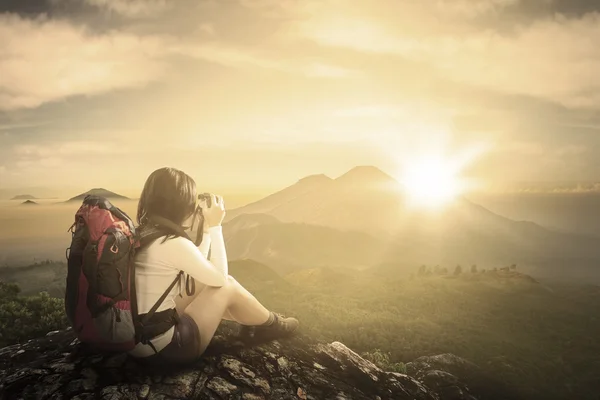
(230, 283)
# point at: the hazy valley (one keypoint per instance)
(358, 220)
(361, 219)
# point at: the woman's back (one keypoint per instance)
(155, 269)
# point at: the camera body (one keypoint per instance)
(206, 197)
(198, 214)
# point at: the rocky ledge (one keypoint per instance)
(59, 367)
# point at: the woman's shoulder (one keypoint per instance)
(172, 251)
(178, 242)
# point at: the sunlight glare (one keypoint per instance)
(431, 182)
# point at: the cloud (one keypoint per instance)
(208, 29)
(23, 125)
(245, 58)
(571, 150)
(65, 149)
(554, 58)
(382, 73)
(276, 8)
(580, 188)
(371, 111)
(44, 60)
(57, 157)
(470, 9)
(537, 149)
(133, 8)
(321, 70)
(449, 8)
(523, 148)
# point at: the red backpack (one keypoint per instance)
(100, 298)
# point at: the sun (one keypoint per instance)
(431, 182)
(435, 167)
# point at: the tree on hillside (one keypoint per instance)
(422, 270)
(513, 267)
(458, 270)
(474, 268)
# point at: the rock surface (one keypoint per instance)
(440, 374)
(59, 367)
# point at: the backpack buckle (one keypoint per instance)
(114, 248)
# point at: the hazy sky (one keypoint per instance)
(263, 92)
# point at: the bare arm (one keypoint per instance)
(218, 256)
(183, 255)
(213, 236)
(204, 246)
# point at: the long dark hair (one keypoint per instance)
(168, 193)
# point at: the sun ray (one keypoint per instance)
(432, 178)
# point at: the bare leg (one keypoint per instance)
(212, 304)
(182, 303)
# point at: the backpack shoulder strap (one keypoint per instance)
(148, 316)
(168, 226)
(147, 233)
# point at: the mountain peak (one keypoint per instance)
(317, 178)
(98, 192)
(364, 173)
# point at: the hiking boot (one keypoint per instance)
(281, 327)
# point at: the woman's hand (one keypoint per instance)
(213, 215)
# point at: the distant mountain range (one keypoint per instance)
(363, 199)
(98, 192)
(360, 219)
(568, 212)
(29, 203)
(292, 246)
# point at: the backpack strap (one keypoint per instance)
(199, 232)
(168, 225)
(149, 314)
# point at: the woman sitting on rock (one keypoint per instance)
(169, 203)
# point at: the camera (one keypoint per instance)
(198, 213)
(206, 197)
